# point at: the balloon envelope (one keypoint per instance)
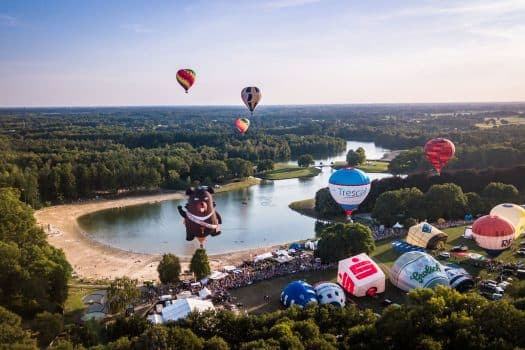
(242, 125)
(438, 152)
(417, 270)
(512, 212)
(330, 293)
(349, 188)
(298, 293)
(186, 78)
(493, 233)
(251, 96)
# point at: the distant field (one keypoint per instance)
(305, 207)
(287, 171)
(371, 166)
(513, 120)
(238, 185)
(252, 296)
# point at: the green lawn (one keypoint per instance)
(290, 172)
(371, 166)
(74, 307)
(305, 207)
(512, 120)
(252, 296)
(237, 185)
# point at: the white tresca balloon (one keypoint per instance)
(349, 188)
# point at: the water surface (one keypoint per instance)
(264, 220)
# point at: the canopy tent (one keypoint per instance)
(204, 293)
(217, 275)
(185, 294)
(468, 232)
(155, 319)
(229, 268)
(296, 246)
(262, 257)
(398, 225)
(182, 307)
(426, 236)
(312, 245)
(283, 258)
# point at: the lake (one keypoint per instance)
(264, 220)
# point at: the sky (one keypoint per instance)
(127, 52)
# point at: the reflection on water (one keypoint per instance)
(252, 217)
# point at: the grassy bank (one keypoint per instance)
(288, 171)
(238, 185)
(305, 207)
(371, 166)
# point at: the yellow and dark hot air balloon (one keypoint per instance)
(186, 78)
(242, 125)
(251, 96)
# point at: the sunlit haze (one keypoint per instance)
(92, 53)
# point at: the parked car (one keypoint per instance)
(492, 288)
(459, 248)
(520, 252)
(503, 285)
(444, 255)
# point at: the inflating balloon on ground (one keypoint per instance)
(417, 270)
(493, 233)
(359, 275)
(512, 212)
(330, 293)
(298, 293)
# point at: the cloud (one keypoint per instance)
(279, 4)
(9, 21)
(137, 28)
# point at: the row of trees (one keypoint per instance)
(431, 319)
(340, 241)
(441, 201)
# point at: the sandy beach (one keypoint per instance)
(92, 260)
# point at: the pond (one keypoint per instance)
(253, 217)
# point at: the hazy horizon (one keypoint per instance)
(299, 52)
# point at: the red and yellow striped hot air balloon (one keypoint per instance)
(438, 152)
(242, 125)
(186, 78)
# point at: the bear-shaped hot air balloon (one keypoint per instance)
(512, 212)
(417, 270)
(330, 293)
(438, 152)
(298, 293)
(349, 187)
(186, 78)
(493, 233)
(201, 218)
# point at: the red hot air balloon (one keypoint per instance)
(438, 152)
(186, 78)
(242, 125)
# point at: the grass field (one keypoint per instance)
(513, 120)
(371, 166)
(252, 297)
(74, 307)
(305, 207)
(287, 171)
(237, 185)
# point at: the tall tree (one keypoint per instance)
(199, 264)
(122, 292)
(169, 269)
(305, 160)
(340, 241)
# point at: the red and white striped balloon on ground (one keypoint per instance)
(493, 233)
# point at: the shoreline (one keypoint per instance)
(95, 261)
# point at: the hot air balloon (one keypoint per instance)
(512, 212)
(330, 293)
(298, 293)
(438, 152)
(200, 217)
(349, 188)
(251, 96)
(242, 125)
(493, 233)
(359, 275)
(186, 78)
(417, 270)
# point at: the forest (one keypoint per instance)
(57, 155)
